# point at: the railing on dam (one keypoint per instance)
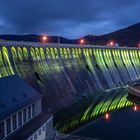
(65, 72)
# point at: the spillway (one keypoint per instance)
(64, 73)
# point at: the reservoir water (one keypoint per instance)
(123, 124)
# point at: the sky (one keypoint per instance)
(68, 18)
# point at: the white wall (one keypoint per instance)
(46, 129)
(37, 111)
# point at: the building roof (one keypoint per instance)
(15, 94)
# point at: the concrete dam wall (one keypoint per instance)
(65, 73)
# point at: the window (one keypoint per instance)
(44, 128)
(19, 118)
(1, 130)
(8, 126)
(33, 109)
(29, 112)
(35, 136)
(24, 115)
(39, 133)
(14, 121)
(49, 124)
(47, 128)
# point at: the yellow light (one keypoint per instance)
(111, 43)
(44, 38)
(82, 41)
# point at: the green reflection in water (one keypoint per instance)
(107, 102)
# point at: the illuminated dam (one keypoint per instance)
(65, 73)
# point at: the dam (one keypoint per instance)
(63, 73)
(79, 83)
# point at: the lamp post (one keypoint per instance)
(82, 41)
(44, 38)
(111, 43)
(139, 45)
(58, 40)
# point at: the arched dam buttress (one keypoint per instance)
(64, 73)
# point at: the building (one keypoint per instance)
(21, 115)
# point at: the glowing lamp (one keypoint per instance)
(135, 108)
(107, 116)
(82, 41)
(44, 38)
(111, 43)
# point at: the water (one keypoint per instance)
(121, 125)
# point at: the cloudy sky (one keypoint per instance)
(68, 18)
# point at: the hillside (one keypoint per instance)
(129, 36)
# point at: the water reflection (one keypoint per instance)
(101, 106)
(107, 116)
(135, 108)
(123, 124)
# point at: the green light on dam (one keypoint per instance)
(65, 74)
(43, 58)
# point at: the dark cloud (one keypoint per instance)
(70, 18)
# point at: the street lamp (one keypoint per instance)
(44, 38)
(58, 39)
(111, 43)
(82, 41)
(139, 45)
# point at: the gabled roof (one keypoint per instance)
(15, 94)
